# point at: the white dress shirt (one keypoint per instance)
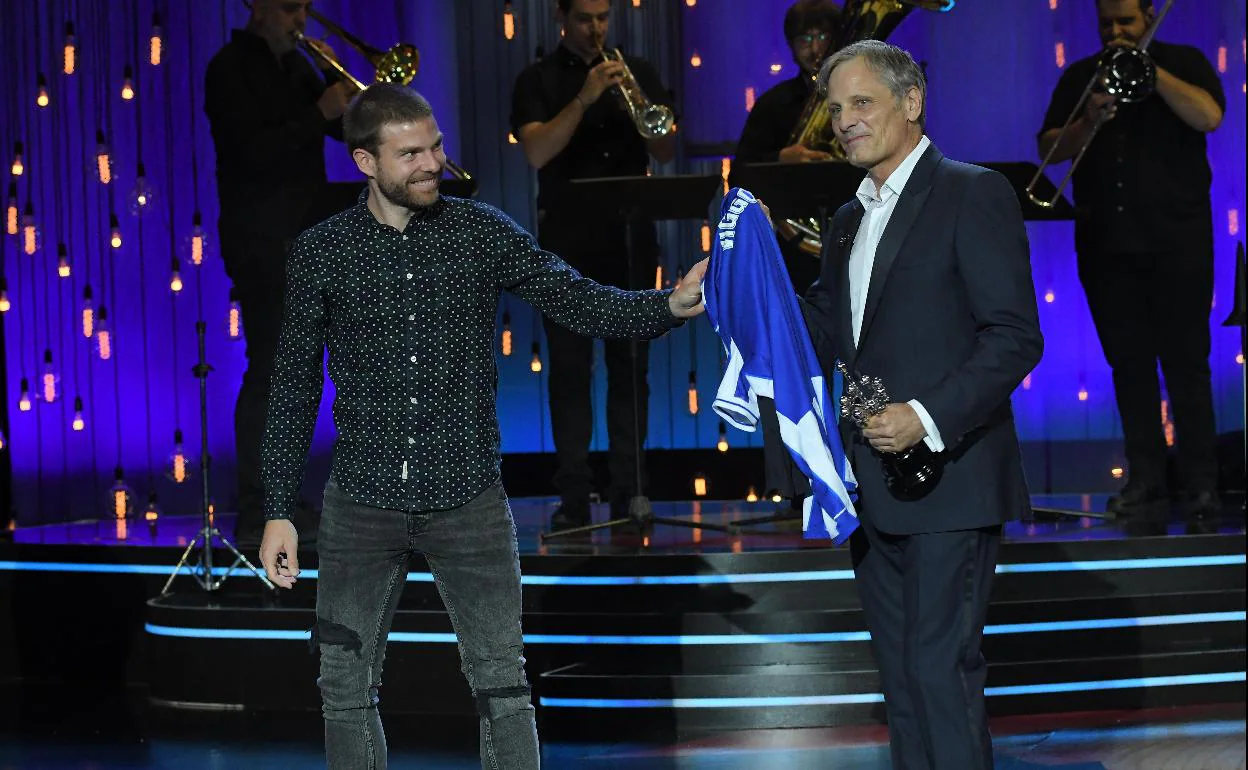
(879, 205)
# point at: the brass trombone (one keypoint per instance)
(398, 64)
(1127, 74)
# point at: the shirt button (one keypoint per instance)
(412, 317)
(414, 357)
(409, 276)
(411, 440)
(413, 399)
(405, 237)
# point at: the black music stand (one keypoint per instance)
(800, 190)
(640, 198)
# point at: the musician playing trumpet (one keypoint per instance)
(1144, 237)
(572, 122)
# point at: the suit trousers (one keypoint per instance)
(925, 598)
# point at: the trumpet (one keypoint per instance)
(398, 64)
(653, 121)
(1127, 74)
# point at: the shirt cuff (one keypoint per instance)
(932, 438)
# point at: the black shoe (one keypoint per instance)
(1202, 505)
(1139, 500)
(570, 514)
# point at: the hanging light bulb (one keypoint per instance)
(5, 305)
(103, 161)
(658, 277)
(197, 240)
(155, 42)
(88, 312)
(151, 514)
(722, 444)
(705, 237)
(114, 236)
(177, 461)
(41, 91)
(103, 337)
(695, 60)
(63, 268)
(535, 365)
(18, 167)
(10, 210)
(3, 445)
(175, 279)
(142, 196)
(699, 485)
(79, 421)
(127, 83)
(693, 392)
(509, 20)
(23, 400)
(506, 343)
(71, 49)
(49, 379)
(30, 231)
(120, 502)
(751, 496)
(234, 319)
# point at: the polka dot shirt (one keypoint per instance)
(409, 321)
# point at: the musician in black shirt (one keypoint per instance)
(809, 28)
(270, 112)
(1144, 237)
(571, 122)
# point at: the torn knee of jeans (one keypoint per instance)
(486, 698)
(329, 632)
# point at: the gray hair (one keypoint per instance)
(895, 66)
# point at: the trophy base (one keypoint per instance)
(912, 474)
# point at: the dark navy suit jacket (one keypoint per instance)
(950, 319)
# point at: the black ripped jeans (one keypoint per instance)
(472, 554)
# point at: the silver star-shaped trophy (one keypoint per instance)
(909, 475)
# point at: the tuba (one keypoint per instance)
(1127, 74)
(653, 121)
(860, 20)
(398, 64)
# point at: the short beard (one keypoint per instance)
(399, 195)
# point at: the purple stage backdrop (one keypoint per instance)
(991, 66)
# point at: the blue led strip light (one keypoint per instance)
(854, 698)
(721, 639)
(1172, 562)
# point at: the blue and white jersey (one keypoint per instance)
(752, 305)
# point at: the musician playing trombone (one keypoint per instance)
(1144, 237)
(269, 111)
(569, 117)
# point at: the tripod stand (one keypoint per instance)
(651, 198)
(202, 570)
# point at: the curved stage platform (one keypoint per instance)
(697, 630)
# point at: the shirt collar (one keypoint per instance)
(422, 214)
(896, 181)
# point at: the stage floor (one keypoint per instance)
(1081, 520)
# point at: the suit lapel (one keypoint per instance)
(844, 244)
(909, 204)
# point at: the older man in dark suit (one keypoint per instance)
(926, 284)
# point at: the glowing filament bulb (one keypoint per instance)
(691, 3)
(155, 42)
(63, 268)
(658, 277)
(5, 305)
(706, 237)
(103, 164)
(114, 226)
(749, 98)
(30, 233)
(119, 502)
(23, 401)
(177, 461)
(511, 138)
(142, 195)
(71, 49)
(49, 379)
(506, 341)
(693, 393)
(695, 60)
(10, 211)
(151, 514)
(535, 365)
(197, 240)
(775, 69)
(722, 444)
(751, 496)
(80, 422)
(103, 338)
(41, 91)
(234, 319)
(127, 83)
(175, 280)
(509, 21)
(699, 485)
(2, 446)
(88, 312)
(18, 167)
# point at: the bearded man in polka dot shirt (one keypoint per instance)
(403, 289)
